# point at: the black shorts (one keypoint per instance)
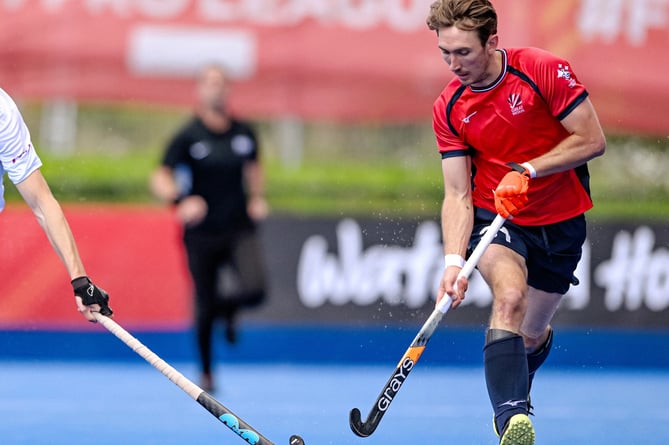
(551, 252)
(233, 256)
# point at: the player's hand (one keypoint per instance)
(452, 286)
(90, 298)
(257, 208)
(511, 193)
(192, 210)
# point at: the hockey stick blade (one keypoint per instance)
(360, 428)
(396, 380)
(206, 400)
(415, 350)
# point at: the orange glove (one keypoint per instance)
(511, 193)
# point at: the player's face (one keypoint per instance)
(213, 89)
(467, 58)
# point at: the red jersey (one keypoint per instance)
(515, 119)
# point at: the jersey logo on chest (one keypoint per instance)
(242, 145)
(468, 118)
(199, 150)
(515, 103)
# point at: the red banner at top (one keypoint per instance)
(321, 59)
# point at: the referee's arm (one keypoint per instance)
(163, 186)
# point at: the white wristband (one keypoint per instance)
(453, 259)
(528, 166)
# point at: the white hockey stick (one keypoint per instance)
(415, 350)
(227, 417)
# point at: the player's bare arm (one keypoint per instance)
(191, 210)
(457, 219)
(585, 142)
(37, 194)
(163, 185)
(254, 179)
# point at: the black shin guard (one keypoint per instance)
(506, 375)
(537, 358)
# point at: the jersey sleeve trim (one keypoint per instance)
(455, 153)
(575, 103)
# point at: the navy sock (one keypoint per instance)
(537, 358)
(506, 376)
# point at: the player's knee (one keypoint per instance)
(535, 340)
(509, 305)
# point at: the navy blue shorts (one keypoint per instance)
(551, 252)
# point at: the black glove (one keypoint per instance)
(91, 294)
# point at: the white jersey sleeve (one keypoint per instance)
(18, 157)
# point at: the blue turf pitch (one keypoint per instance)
(59, 403)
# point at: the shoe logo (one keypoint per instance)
(468, 118)
(512, 403)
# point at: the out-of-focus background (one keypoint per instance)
(341, 93)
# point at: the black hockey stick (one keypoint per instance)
(415, 350)
(227, 417)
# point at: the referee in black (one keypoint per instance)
(212, 174)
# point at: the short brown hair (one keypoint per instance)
(468, 15)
